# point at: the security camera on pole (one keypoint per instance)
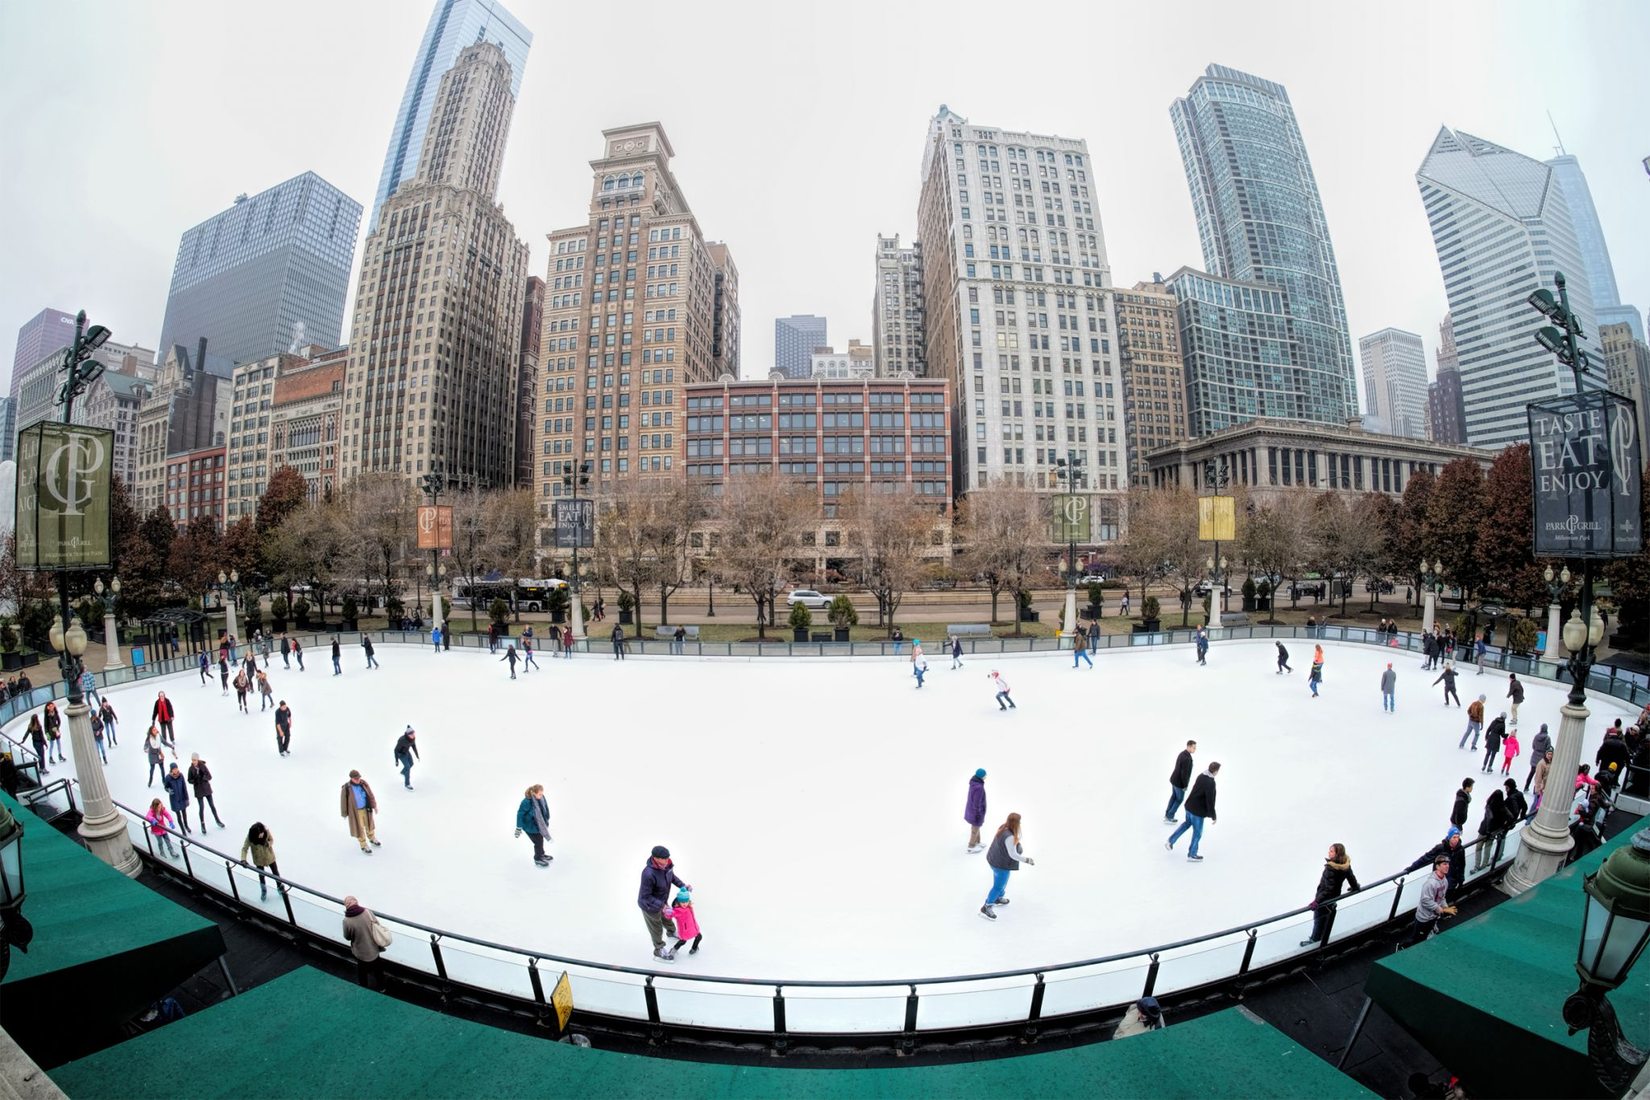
(1585, 466)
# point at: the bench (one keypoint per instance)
(961, 630)
(668, 633)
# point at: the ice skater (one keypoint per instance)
(200, 781)
(681, 914)
(109, 721)
(658, 876)
(261, 843)
(1080, 648)
(1447, 678)
(266, 692)
(533, 818)
(618, 642)
(1509, 752)
(1389, 684)
(1283, 660)
(567, 642)
(283, 729)
(162, 714)
(1200, 807)
(406, 747)
(527, 662)
(1475, 723)
(919, 663)
(1004, 857)
(160, 824)
(337, 659)
(956, 652)
(1315, 677)
(974, 810)
(37, 734)
(366, 647)
(435, 638)
(54, 734)
(510, 655)
(298, 653)
(1179, 780)
(1493, 738)
(286, 652)
(1001, 686)
(1515, 692)
(1337, 873)
(241, 688)
(177, 792)
(205, 669)
(1539, 748)
(356, 802)
(1202, 646)
(223, 670)
(97, 735)
(154, 750)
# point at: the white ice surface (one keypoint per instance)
(816, 805)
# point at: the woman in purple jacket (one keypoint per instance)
(974, 811)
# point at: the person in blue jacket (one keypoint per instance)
(657, 878)
(533, 818)
(177, 791)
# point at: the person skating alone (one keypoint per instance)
(154, 749)
(1480, 649)
(1509, 751)
(1283, 659)
(357, 803)
(681, 914)
(1179, 780)
(242, 687)
(1515, 692)
(223, 671)
(919, 663)
(205, 667)
(1004, 857)
(406, 747)
(1337, 873)
(1389, 685)
(283, 729)
(160, 825)
(974, 810)
(1080, 648)
(260, 842)
(956, 652)
(510, 655)
(298, 653)
(618, 642)
(366, 647)
(435, 638)
(266, 692)
(97, 735)
(109, 721)
(527, 662)
(533, 818)
(567, 642)
(658, 876)
(1458, 811)
(1202, 646)
(337, 659)
(162, 714)
(1200, 807)
(1000, 685)
(367, 940)
(286, 651)
(1447, 678)
(200, 781)
(1315, 676)
(37, 734)
(1475, 723)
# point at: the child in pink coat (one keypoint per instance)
(687, 925)
(1509, 750)
(160, 821)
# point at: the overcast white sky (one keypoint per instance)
(798, 128)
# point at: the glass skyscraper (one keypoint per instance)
(1595, 254)
(1260, 220)
(453, 25)
(794, 340)
(269, 273)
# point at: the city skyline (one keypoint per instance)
(64, 219)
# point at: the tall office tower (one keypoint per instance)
(454, 24)
(268, 274)
(896, 309)
(1502, 229)
(436, 342)
(1242, 358)
(1020, 316)
(1154, 378)
(1395, 380)
(1627, 362)
(631, 314)
(8, 430)
(794, 340)
(247, 446)
(1595, 253)
(1260, 220)
(42, 334)
(527, 379)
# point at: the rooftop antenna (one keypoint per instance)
(1559, 148)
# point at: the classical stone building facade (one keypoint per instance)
(304, 421)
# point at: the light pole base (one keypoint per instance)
(1541, 855)
(1551, 652)
(1214, 611)
(575, 612)
(1071, 611)
(1546, 842)
(111, 646)
(109, 841)
(1429, 611)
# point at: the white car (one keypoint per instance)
(808, 598)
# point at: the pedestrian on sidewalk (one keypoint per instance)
(658, 876)
(357, 803)
(974, 810)
(533, 818)
(1200, 807)
(200, 779)
(1337, 873)
(406, 747)
(1004, 857)
(1179, 780)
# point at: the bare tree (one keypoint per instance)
(1347, 535)
(1141, 553)
(676, 508)
(1276, 536)
(1005, 533)
(379, 531)
(763, 518)
(891, 534)
(1173, 515)
(642, 537)
(475, 551)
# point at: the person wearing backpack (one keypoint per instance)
(368, 940)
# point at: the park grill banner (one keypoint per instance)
(435, 527)
(1070, 515)
(575, 524)
(65, 473)
(1586, 468)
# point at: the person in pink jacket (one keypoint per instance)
(687, 925)
(1509, 751)
(160, 824)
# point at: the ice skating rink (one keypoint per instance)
(816, 805)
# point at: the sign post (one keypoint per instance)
(561, 998)
(1586, 465)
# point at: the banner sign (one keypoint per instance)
(1071, 518)
(65, 474)
(1586, 469)
(1216, 519)
(575, 524)
(435, 527)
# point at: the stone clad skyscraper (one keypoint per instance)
(1260, 220)
(897, 330)
(435, 347)
(1502, 229)
(453, 25)
(1395, 380)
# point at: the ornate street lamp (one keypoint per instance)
(15, 930)
(228, 586)
(1615, 925)
(111, 640)
(1432, 577)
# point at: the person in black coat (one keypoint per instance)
(1612, 751)
(1450, 848)
(1493, 737)
(1447, 678)
(1337, 872)
(1178, 781)
(200, 778)
(1494, 825)
(1200, 807)
(406, 747)
(177, 790)
(1283, 659)
(1463, 799)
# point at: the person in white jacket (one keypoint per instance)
(1000, 685)
(1005, 857)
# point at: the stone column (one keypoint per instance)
(111, 644)
(575, 611)
(1551, 653)
(1546, 841)
(1428, 609)
(1071, 610)
(102, 827)
(229, 616)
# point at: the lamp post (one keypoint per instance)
(101, 827)
(111, 640)
(573, 484)
(15, 929)
(432, 483)
(437, 574)
(1555, 589)
(1218, 477)
(1217, 571)
(229, 586)
(1431, 581)
(1614, 927)
(1069, 471)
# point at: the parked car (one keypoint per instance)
(1203, 588)
(808, 598)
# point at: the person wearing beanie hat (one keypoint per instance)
(1448, 849)
(658, 876)
(1143, 1016)
(680, 912)
(406, 747)
(974, 811)
(919, 663)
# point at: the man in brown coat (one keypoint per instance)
(357, 804)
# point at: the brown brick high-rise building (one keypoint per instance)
(637, 304)
(527, 383)
(436, 340)
(1154, 378)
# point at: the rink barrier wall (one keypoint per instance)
(903, 1010)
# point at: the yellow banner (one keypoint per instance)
(1216, 519)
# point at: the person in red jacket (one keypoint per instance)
(162, 715)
